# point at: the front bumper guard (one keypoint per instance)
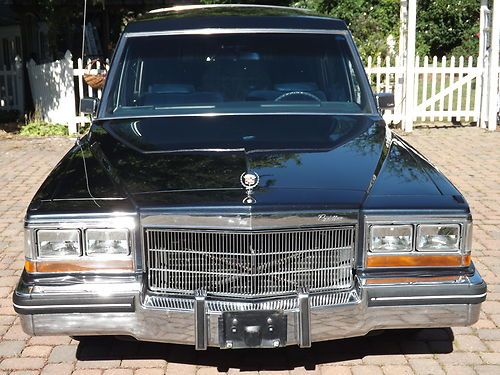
(310, 317)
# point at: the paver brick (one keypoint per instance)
(37, 351)
(63, 353)
(22, 363)
(11, 348)
(58, 369)
(397, 370)
(149, 371)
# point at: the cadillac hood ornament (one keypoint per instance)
(249, 180)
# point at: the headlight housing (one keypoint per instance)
(421, 242)
(438, 237)
(391, 238)
(96, 245)
(60, 243)
(104, 242)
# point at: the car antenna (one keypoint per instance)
(78, 137)
(85, 171)
(83, 28)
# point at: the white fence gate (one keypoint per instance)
(445, 89)
(12, 86)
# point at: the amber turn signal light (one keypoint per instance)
(455, 260)
(87, 265)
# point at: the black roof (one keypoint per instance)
(232, 16)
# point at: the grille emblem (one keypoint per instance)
(249, 180)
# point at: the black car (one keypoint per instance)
(239, 188)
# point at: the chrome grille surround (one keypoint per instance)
(249, 264)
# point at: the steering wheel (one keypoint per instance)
(293, 93)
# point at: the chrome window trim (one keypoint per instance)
(375, 116)
(464, 220)
(218, 31)
(118, 55)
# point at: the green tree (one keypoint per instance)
(443, 26)
(447, 27)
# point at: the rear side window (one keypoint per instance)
(237, 73)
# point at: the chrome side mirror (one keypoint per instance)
(385, 100)
(88, 106)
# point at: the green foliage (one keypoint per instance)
(35, 127)
(444, 27)
(447, 27)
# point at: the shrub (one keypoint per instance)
(38, 128)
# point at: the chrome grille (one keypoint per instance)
(249, 264)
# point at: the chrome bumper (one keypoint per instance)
(121, 307)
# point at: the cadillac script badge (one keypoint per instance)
(249, 180)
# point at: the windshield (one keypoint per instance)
(236, 73)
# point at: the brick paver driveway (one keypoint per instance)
(469, 156)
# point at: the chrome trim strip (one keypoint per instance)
(417, 298)
(214, 31)
(85, 306)
(180, 8)
(246, 220)
(375, 116)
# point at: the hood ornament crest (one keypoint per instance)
(249, 180)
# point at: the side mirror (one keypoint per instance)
(385, 100)
(89, 106)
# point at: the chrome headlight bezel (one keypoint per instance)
(463, 250)
(84, 262)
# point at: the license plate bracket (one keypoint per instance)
(252, 329)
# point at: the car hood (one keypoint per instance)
(302, 161)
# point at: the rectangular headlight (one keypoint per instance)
(58, 243)
(391, 238)
(107, 242)
(438, 237)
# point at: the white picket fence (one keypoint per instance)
(446, 89)
(57, 88)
